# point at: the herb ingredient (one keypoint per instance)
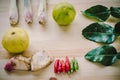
(105, 55)
(28, 11)
(98, 12)
(99, 32)
(13, 15)
(115, 12)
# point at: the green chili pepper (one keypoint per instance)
(76, 66)
(72, 66)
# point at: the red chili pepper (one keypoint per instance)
(60, 67)
(67, 64)
(56, 65)
(63, 66)
(67, 59)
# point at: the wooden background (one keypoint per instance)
(59, 42)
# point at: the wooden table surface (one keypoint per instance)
(59, 42)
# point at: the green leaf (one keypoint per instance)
(118, 55)
(98, 12)
(99, 32)
(105, 55)
(115, 12)
(117, 29)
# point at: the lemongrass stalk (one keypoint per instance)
(42, 11)
(28, 11)
(13, 15)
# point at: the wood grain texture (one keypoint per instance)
(58, 42)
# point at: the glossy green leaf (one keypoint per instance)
(117, 29)
(98, 12)
(99, 32)
(105, 55)
(115, 12)
(118, 55)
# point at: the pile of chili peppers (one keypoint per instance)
(66, 66)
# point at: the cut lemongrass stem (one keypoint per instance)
(13, 15)
(28, 11)
(42, 11)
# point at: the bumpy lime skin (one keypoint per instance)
(15, 40)
(63, 13)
